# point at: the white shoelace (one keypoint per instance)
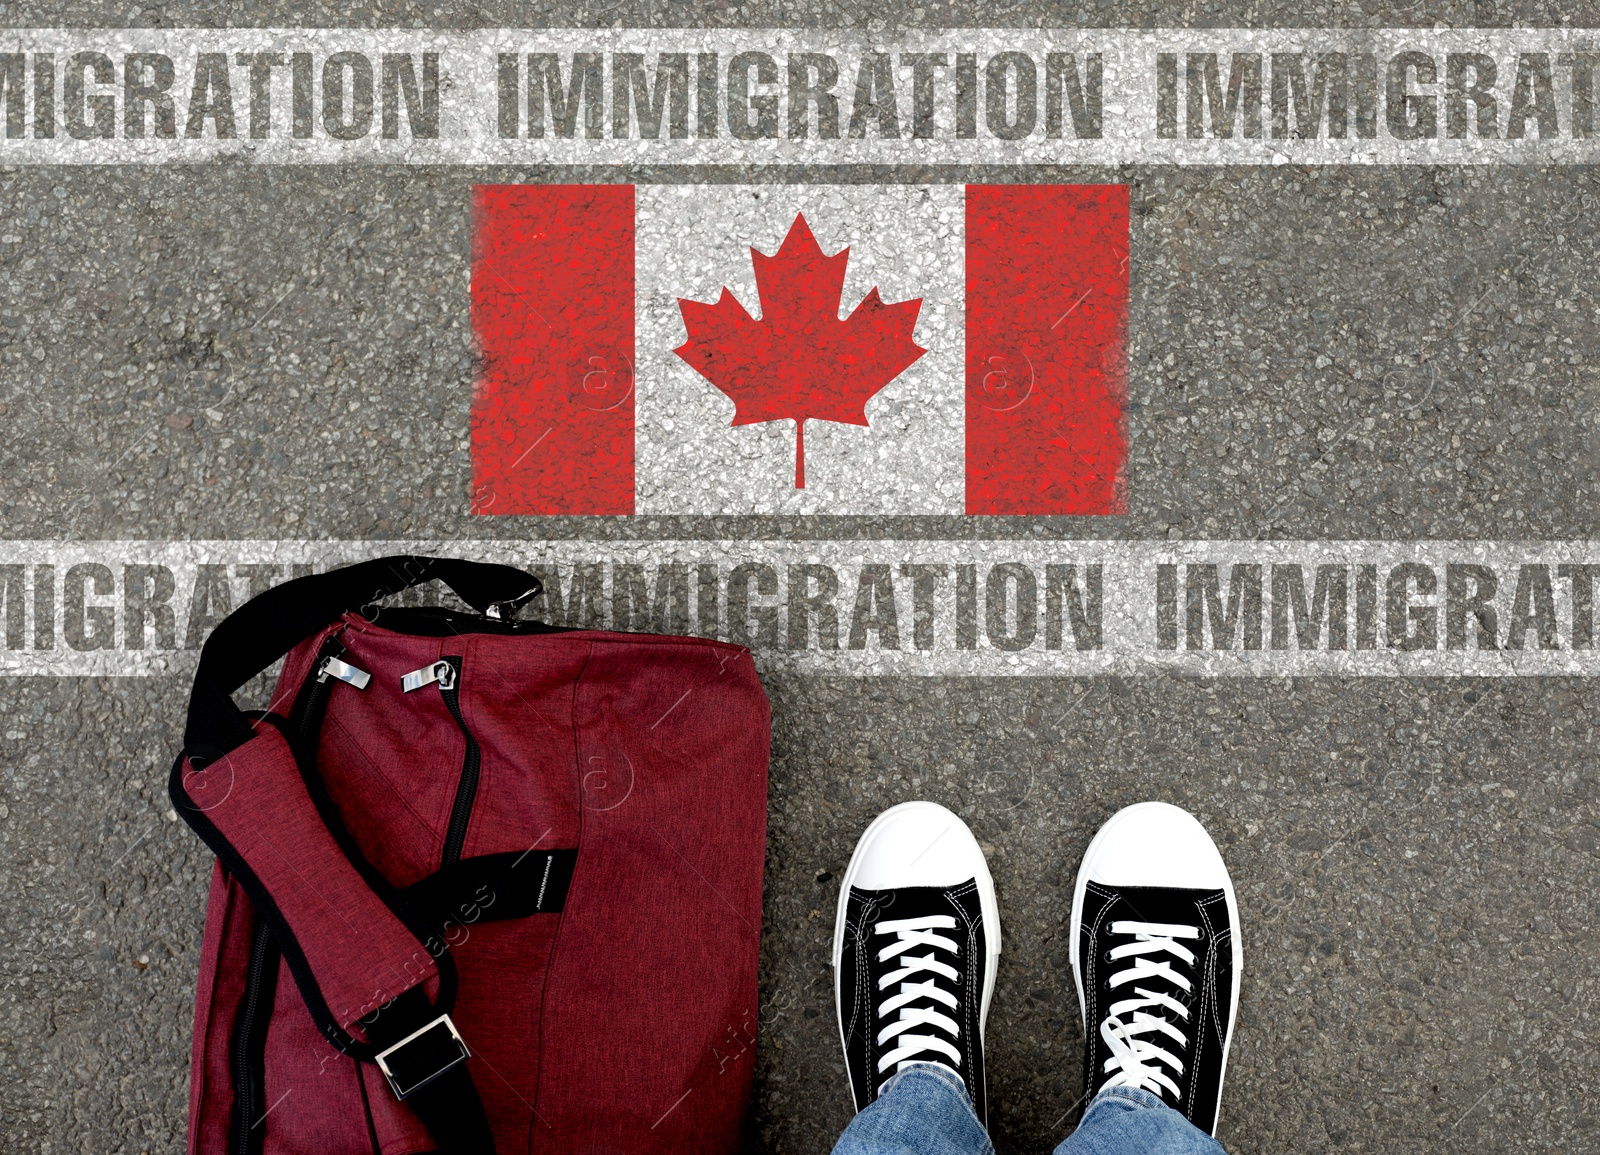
(917, 932)
(1136, 1060)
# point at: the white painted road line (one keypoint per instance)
(770, 96)
(947, 608)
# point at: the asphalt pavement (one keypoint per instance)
(1386, 352)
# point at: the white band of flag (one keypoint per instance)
(952, 608)
(771, 96)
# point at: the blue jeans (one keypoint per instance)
(924, 1110)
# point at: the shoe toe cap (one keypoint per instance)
(916, 844)
(1155, 844)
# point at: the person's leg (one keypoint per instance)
(915, 947)
(923, 1110)
(1130, 1121)
(1156, 954)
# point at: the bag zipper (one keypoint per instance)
(310, 720)
(446, 674)
(244, 1040)
(471, 764)
(329, 667)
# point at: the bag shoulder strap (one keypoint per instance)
(269, 819)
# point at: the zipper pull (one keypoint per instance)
(441, 671)
(333, 668)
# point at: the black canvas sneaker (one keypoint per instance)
(1155, 928)
(914, 950)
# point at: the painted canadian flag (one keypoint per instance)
(800, 349)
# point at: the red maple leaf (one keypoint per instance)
(800, 362)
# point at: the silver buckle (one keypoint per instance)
(407, 1080)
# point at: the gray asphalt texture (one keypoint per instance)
(225, 352)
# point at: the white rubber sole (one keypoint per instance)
(1110, 830)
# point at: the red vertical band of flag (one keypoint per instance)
(1047, 323)
(552, 312)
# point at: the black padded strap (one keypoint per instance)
(271, 624)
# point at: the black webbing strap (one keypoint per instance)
(493, 887)
(448, 1104)
(271, 624)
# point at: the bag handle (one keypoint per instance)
(271, 624)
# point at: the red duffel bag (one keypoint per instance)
(482, 886)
